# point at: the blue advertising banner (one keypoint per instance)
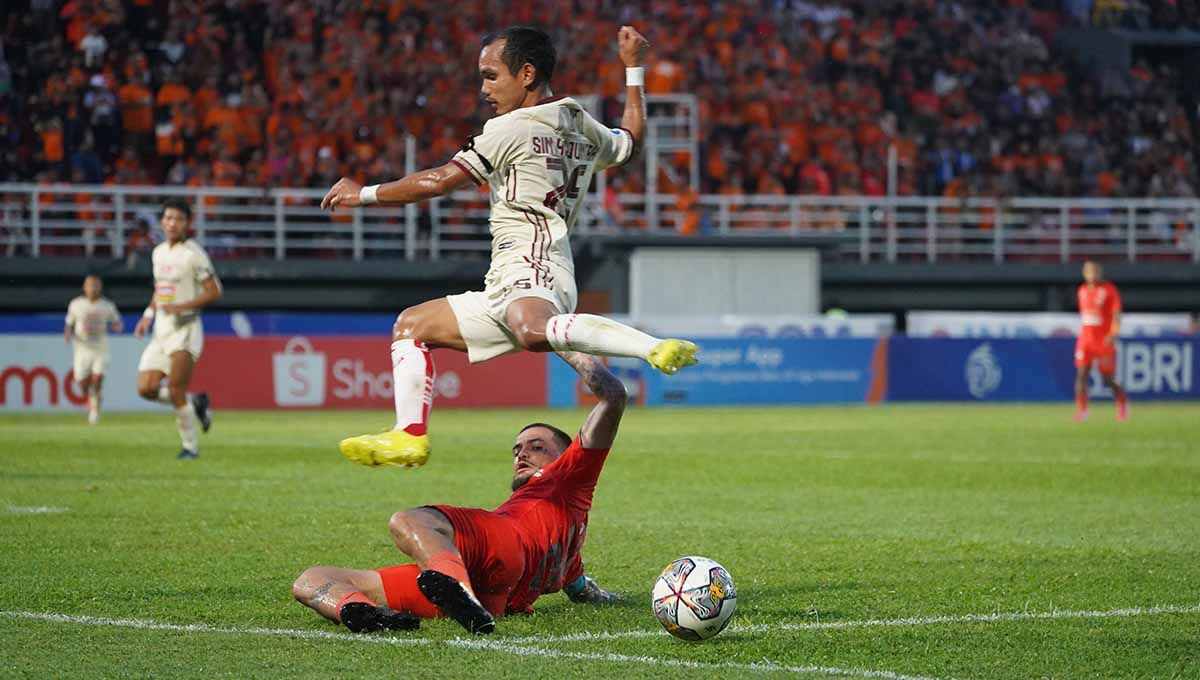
(1034, 369)
(745, 371)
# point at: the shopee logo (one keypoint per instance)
(28, 379)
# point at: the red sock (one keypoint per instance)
(1081, 401)
(352, 596)
(451, 565)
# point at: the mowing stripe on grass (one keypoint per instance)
(202, 628)
(764, 666)
(869, 623)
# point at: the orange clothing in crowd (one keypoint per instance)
(52, 144)
(137, 107)
(172, 93)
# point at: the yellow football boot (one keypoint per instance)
(670, 355)
(394, 447)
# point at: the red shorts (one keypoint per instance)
(491, 551)
(1104, 354)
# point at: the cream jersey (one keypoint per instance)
(89, 320)
(538, 162)
(179, 272)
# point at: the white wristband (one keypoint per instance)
(149, 313)
(635, 76)
(368, 195)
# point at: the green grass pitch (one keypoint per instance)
(1051, 549)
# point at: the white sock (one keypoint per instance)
(412, 380)
(185, 421)
(164, 395)
(593, 334)
(93, 400)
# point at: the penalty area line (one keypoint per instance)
(527, 650)
(997, 617)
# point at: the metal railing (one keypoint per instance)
(51, 220)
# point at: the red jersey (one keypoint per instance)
(551, 512)
(1097, 306)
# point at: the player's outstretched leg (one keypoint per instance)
(593, 334)
(427, 535)
(407, 444)
(417, 330)
(341, 595)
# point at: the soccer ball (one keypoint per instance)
(694, 598)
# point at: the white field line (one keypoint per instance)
(202, 628)
(764, 666)
(34, 510)
(879, 623)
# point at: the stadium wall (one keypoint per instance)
(296, 372)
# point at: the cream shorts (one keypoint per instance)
(157, 356)
(90, 361)
(481, 314)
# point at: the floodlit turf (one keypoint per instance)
(822, 515)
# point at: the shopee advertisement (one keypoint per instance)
(265, 373)
(353, 372)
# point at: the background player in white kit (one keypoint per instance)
(537, 156)
(89, 318)
(184, 283)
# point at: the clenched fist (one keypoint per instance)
(631, 46)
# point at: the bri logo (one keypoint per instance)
(983, 371)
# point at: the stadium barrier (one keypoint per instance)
(287, 223)
(288, 372)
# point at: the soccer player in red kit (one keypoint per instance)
(476, 565)
(1100, 316)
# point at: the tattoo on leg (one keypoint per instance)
(320, 594)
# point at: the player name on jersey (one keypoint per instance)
(564, 148)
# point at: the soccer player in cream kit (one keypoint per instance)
(89, 318)
(537, 156)
(184, 283)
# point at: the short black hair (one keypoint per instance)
(526, 45)
(563, 439)
(178, 204)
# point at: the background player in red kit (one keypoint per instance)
(476, 565)
(1100, 316)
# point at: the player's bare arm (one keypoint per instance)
(419, 186)
(1114, 329)
(210, 294)
(67, 332)
(633, 47)
(600, 429)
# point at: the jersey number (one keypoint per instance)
(562, 198)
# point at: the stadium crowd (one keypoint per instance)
(796, 96)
